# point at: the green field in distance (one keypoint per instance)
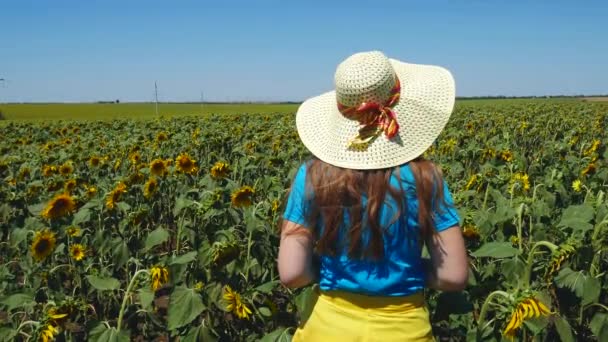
(108, 111)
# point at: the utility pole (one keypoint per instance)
(156, 97)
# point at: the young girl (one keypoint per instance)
(360, 212)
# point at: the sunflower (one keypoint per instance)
(158, 168)
(471, 182)
(219, 170)
(135, 158)
(559, 256)
(94, 161)
(235, 304)
(186, 164)
(275, 205)
(73, 231)
(60, 206)
(160, 276)
(527, 308)
(590, 169)
(488, 153)
(43, 244)
(91, 191)
(506, 156)
(150, 187)
(161, 136)
(77, 251)
(66, 169)
(69, 186)
(48, 333)
(470, 232)
(114, 195)
(577, 185)
(24, 173)
(592, 148)
(242, 196)
(522, 180)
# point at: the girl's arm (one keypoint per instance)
(448, 269)
(296, 255)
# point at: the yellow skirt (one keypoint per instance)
(344, 317)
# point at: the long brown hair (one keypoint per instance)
(334, 192)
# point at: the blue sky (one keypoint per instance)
(288, 50)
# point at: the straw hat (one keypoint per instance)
(383, 112)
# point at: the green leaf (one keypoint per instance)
(200, 333)
(267, 287)
(184, 306)
(83, 215)
(585, 287)
(305, 302)
(264, 311)
(496, 250)
(156, 237)
(279, 335)
(7, 334)
(103, 284)
(120, 252)
(591, 290)
(17, 300)
(599, 326)
(101, 333)
(146, 297)
(36, 209)
(563, 329)
(17, 236)
(184, 258)
(578, 217)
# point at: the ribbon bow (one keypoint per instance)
(375, 118)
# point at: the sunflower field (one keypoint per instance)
(166, 229)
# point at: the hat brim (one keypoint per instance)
(424, 108)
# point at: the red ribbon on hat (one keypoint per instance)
(375, 118)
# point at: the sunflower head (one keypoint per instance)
(577, 185)
(66, 169)
(186, 164)
(242, 197)
(234, 303)
(91, 191)
(528, 307)
(219, 170)
(77, 251)
(73, 231)
(135, 158)
(43, 244)
(150, 187)
(158, 167)
(94, 161)
(69, 186)
(60, 206)
(161, 136)
(114, 195)
(590, 169)
(470, 232)
(159, 276)
(506, 156)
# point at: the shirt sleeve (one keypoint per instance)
(447, 216)
(297, 202)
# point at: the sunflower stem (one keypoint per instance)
(484, 310)
(248, 254)
(124, 300)
(530, 260)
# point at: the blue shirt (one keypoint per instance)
(400, 272)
